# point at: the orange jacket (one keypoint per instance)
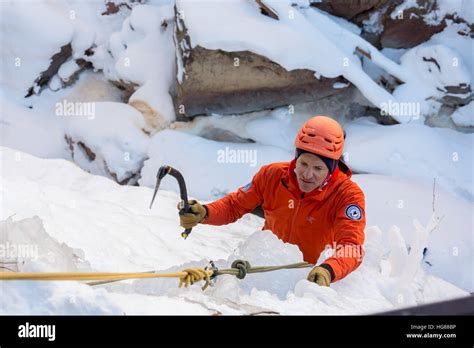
(333, 216)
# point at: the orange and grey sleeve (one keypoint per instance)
(349, 236)
(236, 204)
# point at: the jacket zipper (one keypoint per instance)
(294, 216)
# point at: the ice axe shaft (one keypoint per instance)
(182, 191)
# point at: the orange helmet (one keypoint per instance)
(321, 135)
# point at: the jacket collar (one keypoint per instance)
(340, 174)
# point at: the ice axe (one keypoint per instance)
(182, 191)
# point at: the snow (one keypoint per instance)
(373, 23)
(276, 127)
(370, 148)
(80, 221)
(404, 201)
(30, 50)
(89, 87)
(114, 132)
(344, 23)
(415, 151)
(274, 130)
(376, 72)
(149, 93)
(432, 79)
(142, 53)
(67, 69)
(460, 8)
(461, 44)
(464, 115)
(30, 131)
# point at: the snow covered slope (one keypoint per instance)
(85, 222)
(414, 151)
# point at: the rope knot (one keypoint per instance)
(242, 267)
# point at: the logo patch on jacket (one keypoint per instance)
(354, 212)
(246, 187)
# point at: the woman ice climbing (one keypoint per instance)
(310, 202)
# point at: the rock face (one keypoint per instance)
(415, 24)
(457, 95)
(57, 60)
(366, 14)
(353, 10)
(409, 29)
(213, 84)
(215, 81)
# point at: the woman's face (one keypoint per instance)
(310, 172)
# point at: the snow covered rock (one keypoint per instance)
(404, 25)
(413, 22)
(309, 32)
(103, 138)
(214, 78)
(443, 78)
(112, 7)
(140, 60)
(464, 116)
(111, 141)
(157, 109)
(45, 44)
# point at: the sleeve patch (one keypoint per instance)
(246, 187)
(354, 212)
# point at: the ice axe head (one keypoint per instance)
(182, 191)
(160, 175)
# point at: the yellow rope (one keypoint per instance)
(187, 277)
